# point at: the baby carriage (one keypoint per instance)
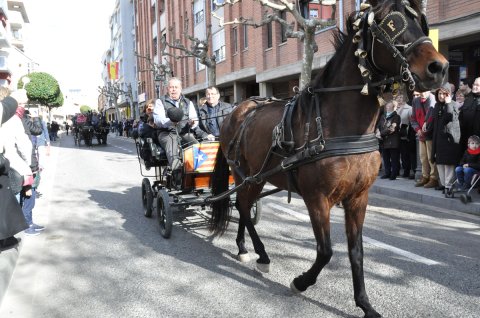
(466, 196)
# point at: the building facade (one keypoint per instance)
(121, 51)
(262, 61)
(14, 63)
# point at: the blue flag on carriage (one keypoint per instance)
(199, 157)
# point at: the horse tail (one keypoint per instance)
(219, 184)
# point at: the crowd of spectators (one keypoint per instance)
(444, 126)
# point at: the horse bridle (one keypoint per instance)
(368, 33)
(386, 33)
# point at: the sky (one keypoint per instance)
(68, 38)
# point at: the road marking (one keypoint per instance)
(366, 239)
(298, 215)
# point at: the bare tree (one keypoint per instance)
(198, 49)
(305, 32)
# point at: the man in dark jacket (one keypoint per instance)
(213, 112)
(470, 115)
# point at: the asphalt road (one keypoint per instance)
(100, 257)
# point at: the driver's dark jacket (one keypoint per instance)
(222, 110)
(184, 127)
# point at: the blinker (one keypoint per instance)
(393, 25)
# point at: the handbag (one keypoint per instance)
(16, 180)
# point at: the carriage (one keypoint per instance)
(82, 130)
(163, 195)
(86, 129)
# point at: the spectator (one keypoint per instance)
(445, 130)
(212, 113)
(67, 127)
(54, 127)
(408, 152)
(389, 127)
(12, 220)
(422, 107)
(168, 118)
(470, 114)
(469, 164)
(43, 144)
(459, 98)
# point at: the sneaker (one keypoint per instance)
(37, 227)
(421, 182)
(31, 231)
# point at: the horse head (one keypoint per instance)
(394, 41)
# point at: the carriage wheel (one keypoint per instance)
(147, 197)
(256, 212)
(164, 213)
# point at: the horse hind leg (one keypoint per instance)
(355, 210)
(320, 218)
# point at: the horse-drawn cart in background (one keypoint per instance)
(88, 126)
(164, 196)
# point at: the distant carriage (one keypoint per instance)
(82, 130)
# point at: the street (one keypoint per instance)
(100, 257)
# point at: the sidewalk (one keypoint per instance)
(405, 189)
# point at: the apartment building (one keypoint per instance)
(262, 61)
(14, 63)
(121, 51)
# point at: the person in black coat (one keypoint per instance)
(470, 114)
(389, 128)
(445, 131)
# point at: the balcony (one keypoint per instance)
(15, 6)
(4, 38)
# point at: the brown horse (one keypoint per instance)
(386, 43)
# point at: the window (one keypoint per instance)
(220, 54)
(155, 46)
(269, 35)
(234, 40)
(199, 66)
(314, 9)
(214, 6)
(199, 16)
(283, 29)
(245, 36)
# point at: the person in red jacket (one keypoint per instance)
(422, 107)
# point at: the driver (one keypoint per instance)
(175, 103)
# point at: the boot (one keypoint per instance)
(431, 184)
(421, 182)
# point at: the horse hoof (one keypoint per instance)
(264, 268)
(244, 258)
(294, 289)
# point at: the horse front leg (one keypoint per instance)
(354, 217)
(319, 211)
(245, 201)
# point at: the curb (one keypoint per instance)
(405, 189)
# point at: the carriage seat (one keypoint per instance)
(151, 154)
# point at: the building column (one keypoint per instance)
(239, 93)
(266, 89)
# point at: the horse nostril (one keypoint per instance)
(436, 67)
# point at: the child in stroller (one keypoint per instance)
(469, 164)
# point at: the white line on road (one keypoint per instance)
(366, 239)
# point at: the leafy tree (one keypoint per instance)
(43, 89)
(85, 109)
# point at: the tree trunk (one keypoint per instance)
(212, 75)
(308, 51)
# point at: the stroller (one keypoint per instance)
(464, 197)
